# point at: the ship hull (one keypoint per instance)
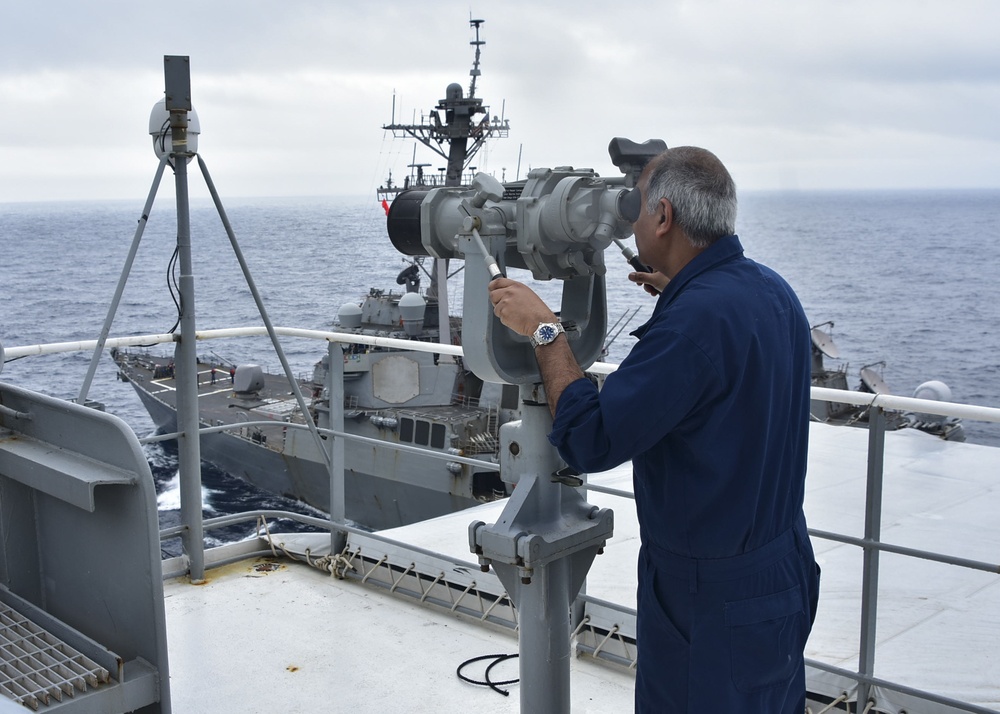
(371, 499)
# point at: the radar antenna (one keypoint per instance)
(477, 43)
(451, 129)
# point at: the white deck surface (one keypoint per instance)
(297, 640)
(938, 625)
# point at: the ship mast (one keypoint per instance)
(453, 131)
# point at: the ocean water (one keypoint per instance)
(908, 279)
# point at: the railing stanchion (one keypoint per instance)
(335, 395)
(873, 533)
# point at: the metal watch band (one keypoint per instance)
(546, 333)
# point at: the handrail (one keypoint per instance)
(422, 451)
(871, 543)
(885, 401)
(234, 518)
(230, 332)
(890, 402)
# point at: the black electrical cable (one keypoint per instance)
(162, 138)
(495, 686)
(172, 285)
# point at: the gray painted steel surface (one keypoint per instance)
(80, 556)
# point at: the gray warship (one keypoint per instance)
(398, 395)
(392, 395)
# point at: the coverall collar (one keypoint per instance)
(721, 251)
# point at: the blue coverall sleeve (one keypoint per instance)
(665, 377)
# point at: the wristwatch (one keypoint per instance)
(546, 333)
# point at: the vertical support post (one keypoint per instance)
(873, 533)
(577, 607)
(544, 629)
(335, 392)
(543, 613)
(444, 319)
(541, 548)
(177, 73)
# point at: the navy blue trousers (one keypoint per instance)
(726, 635)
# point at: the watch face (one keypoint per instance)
(546, 333)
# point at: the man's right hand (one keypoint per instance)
(518, 306)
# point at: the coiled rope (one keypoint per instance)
(336, 564)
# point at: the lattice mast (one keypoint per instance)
(453, 129)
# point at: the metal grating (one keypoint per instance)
(37, 667)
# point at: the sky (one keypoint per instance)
(292, 95)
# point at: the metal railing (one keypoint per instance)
(870, 543)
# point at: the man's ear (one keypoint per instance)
(664, 216)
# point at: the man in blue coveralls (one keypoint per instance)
(712, 407)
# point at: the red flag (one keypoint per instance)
(385, 205)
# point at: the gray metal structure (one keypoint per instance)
(541, 549)
(823, 346)
(557, 225)
(446, 401)
(177, 81)
(452, 132)
(457, 136)
(177, 76)
(81, 592)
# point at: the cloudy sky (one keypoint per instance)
(292, 94)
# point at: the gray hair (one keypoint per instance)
(700, 190)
